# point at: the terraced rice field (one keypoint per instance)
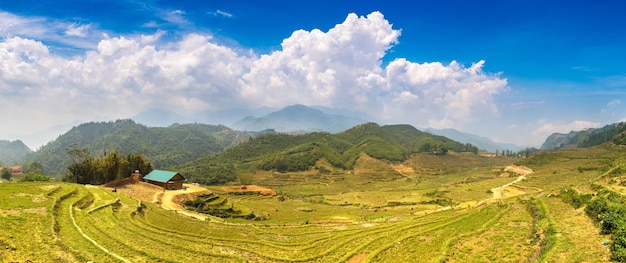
(463, 213)
(77, 223)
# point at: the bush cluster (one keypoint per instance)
(608, 209)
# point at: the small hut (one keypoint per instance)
(165, 179)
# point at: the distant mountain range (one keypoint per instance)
(299, 118)
(166, 142)
(164, 118)
(37, 139)
(482, 143)
(615, 133)
(13, 152)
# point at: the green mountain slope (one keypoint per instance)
(614, 133)
(163, 147)
(293, 153)
(13, 152)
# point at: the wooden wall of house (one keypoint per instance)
(177, 177)
(176, 185)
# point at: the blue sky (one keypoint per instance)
(513, 71)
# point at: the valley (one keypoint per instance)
(428, 208)
(371, 193)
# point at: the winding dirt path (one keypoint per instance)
(168, 196)
(164, 198)
(167, 200)
(498, 192)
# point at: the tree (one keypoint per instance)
(36, 167)
(5, 173)
(112, 166)
(245, 178)
(89, 170)
(137, 162)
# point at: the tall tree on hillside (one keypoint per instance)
(137, 162)
(36, 167)
(113, 166)
(5, 173)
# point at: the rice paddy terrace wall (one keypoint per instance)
(80, 223)
(61, 222)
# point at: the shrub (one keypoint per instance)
(573, 198)
(596, 207)
(618, 246)
(35, 177)
(611, 221)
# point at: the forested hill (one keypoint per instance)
(163, 147)
(12, 152)
(612, 133)
(291, 153)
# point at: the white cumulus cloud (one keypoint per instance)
(341, 67)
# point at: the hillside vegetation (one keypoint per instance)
(613, 133)
(13, 152)
(163, 147)
(559, 206)
(294, 153)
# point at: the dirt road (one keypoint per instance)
(167, 198)
(521, 170)
(498, 192)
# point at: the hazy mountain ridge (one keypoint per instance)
(482, 143)
(614, 133)
(299, 118)
(12, 152)
(165, 118)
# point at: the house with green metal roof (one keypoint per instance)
(165, 179)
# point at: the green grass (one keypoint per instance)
(334, 218)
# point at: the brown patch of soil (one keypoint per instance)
(518, 224)
(40, 198)
(402, 169)
(142, 191)
(49, 187)
(518, 169)
(132, 179)
(16, 212)
(357, 258)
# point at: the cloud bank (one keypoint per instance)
(341, 67)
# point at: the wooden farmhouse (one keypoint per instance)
(165, 179)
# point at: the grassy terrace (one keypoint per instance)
(351, 222)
